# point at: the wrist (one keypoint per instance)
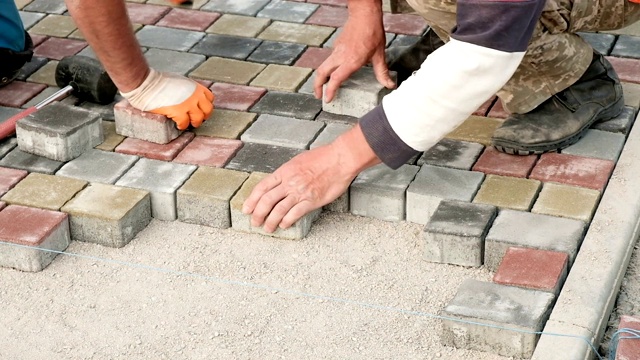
(136, 76)
(353, 152)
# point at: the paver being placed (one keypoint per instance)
(241, 7)
(44, 191)
(108, 215)
(533, 269)
(111, 138)
(288, 11)
(204, 198)
(358, 95)
(498, 305)
(453, 154)
(495, 162)
(226, 124)
(226, 46)
(456, 231)
(98, 166)
(239, 25)
(173, 61)
(227, 70)
(276, 52)
(33, 163)
(628, 348)
(620, 124)
(535, 231)
(295, 105)
(25, 230)
(236, 97)
(9, 178)
(59, 132)
(209, 151)
(242, 222)
(168, 38)
(573, 170)
(567, 201)
(143, 125)
(262, 158)
(161, 179)
(311, 35)
(330, 132)
(598, 144)
(476, 129)
(508, 192)
(379, 192)
(433, 184)
(282, 131)
(281, 78)
(166, 152)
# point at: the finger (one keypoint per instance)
(267, 202)
(196, 116)
(296, 213)
(206, 107)
(207, 93)
(263, 186)
(381, 70)
(278, 213)
(322, 75)
(182, 120)
(337, 78)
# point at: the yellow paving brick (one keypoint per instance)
(282, 78)
(238, 25)
(44, 191)
(567, 201)
(227, 70)
(54, 25)
(508, 192)
(311, 35)
(226, 124)
(476, 129)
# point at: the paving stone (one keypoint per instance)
(173, 61)
(142, 125)
(161, 179)
(497, 163)
(626, 46)
(627, 69)
(404, 40)
(281, 78)
(573, 170)
(97, 166)
(567, 201)
(301, 106)
(47, 6)
(478, 303)
(342, 3)
(598, 144)
(21, 4)
(358, 95)
(111, 138)
(602, 43)
(330, 132)
(54, 25)
(282, 131)
(620, 124)
(209, 151)
(289, 11)
(226, 124)
(533, 269)
(261, 158)
(404, 24)
(275, 52)
(483, 110)
(452, 153)
(18, 92)
(236, 97)
(105, 111)
(329, 16)
(226, 46)
(433, 184)
(534, 231)
(5, 114)
(31, 67)
(2, 205)
(59, 132)
(9, 178)
(33, 163)
(146, 14)
(43, 191)
(476, 129)
(204, 198)
(78, 35)
(508, 192)
(628, 348)
(332, 40)
(45, 75)
(168, 38)
(188, 19)
(30, 18)
(108, 215)
(38, 39)
(311, 35)
(240, 7)
(328, 118)
(37, 229)
(227, 71)
(631, 94)
(307, 87)
(242, 222)
(313, 57)
(238, 25)
(498, 111)
(379, 192)
(149, 150)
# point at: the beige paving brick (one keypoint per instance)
(311, 35)
(77, 34)
(283, 78)
(238, 25)
(227, 70)
(476, 129)
(20, 4)
(631, 94)
(227, 124)
(508, 192)
(111, 138)
(54, 25)
(567, 201)
(44, 191)
(45, 75)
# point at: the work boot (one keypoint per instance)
(564, 119)
(404, 60)
(13, 61)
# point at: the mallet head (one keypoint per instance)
(87, 76)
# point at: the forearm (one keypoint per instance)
(371, 6)
(107, 28)
(355, 154)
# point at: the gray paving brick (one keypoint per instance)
(7, 145)
(300, 106)
(137, 124)
(7, 112)
(453, 154)
(498, 305)
(30, 18)
(328, 117)
(536, 231)
(162, 179)
(262, 158)
(226, 46)
(455, 233)
(276, 52)
(379, 192)
(31, 67)
(282, 131)
(404, 40)
(602, 43)
(287, 11)
(307, 87)
(239, 7)
(173, 61)
(47, 6)
(332, 39)
(627, 46)
(105, 111)
(358, 95)
(168, 38)
(433, 184)
(330, 133)
(620, 124)
(98, 166)
(598, 144)
(33, 163)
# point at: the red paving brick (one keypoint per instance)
(57, 48)
(404, 24)
(2, 205)
(494, 162)
(146, 14)
(18, 93)
(9, 178)
(329, 16)
(628, 69)
(628, 349)
(38, 39)
(236, 97)
(189, 19)
(573, 170)
(209, 151)
(166, 152)
(532, 268)
(497, 111)
(484, 108)
(28, 226)
(329, 2)
(313, 57)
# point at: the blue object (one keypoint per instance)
(11, 28)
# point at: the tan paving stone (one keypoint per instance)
(238, 25)
(20, 4)
(476, 129)
(631, 94)
(54, 25)
(311, 35)
(111, 138)
(45, 75)
(508, 192)
(44, 191)
(77, 34)
(567, 201)
(227, 124)
(281, 77)
(227, 70)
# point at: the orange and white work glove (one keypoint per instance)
(176, 97)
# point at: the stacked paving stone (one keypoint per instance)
(478, 207)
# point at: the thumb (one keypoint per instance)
(381, 70)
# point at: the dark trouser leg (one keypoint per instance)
(15, 44)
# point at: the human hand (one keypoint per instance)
(177, 97)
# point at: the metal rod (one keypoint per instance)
(58, 95)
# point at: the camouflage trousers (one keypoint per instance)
(556, 56)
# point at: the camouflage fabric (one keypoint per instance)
(397, 7)
(556, 57)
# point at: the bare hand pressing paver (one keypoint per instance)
(358, 95)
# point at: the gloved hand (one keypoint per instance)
(176, 97)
